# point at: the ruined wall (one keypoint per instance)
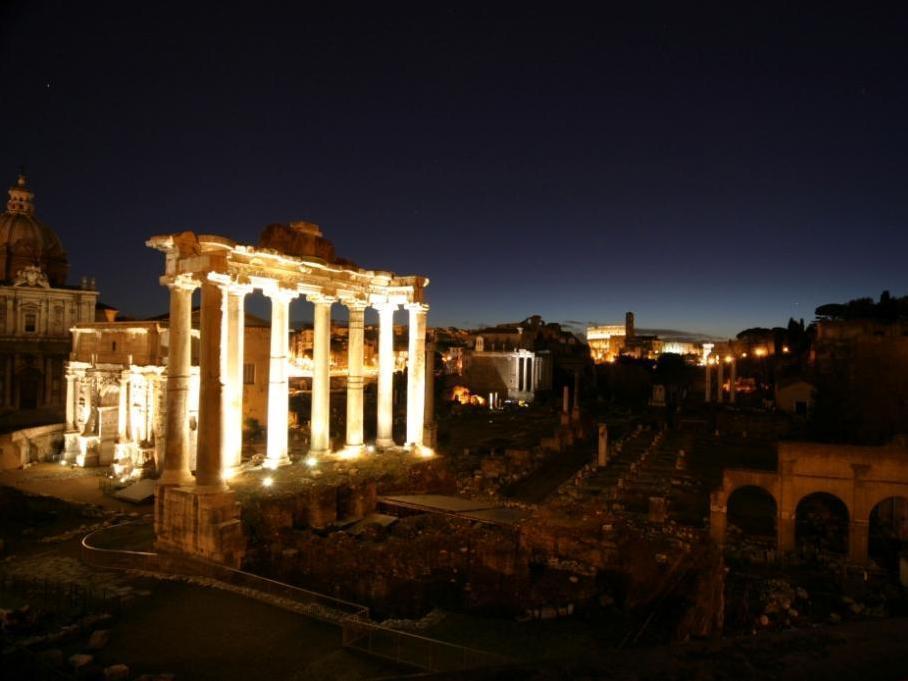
(257, 352)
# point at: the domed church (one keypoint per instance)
(37, 308)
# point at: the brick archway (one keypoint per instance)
(860, 477)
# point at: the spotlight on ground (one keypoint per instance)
(268, 481)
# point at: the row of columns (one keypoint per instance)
(221, 373)
(720, 380)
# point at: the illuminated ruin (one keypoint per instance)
(201, 516)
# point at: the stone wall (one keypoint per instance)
(30, 444)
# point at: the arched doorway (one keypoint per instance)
(821, 524)
(753, 512)
(888, 532)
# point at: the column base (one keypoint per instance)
(318, 452)
(384, 443)
(176, 478)
(200, 522)
(230, 472)
(430, 435)
(354, 448)
(71, 446)
(272, 464)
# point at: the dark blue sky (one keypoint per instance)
(709, 173)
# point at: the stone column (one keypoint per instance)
(384, 433)
(602, 458)
(232, 364)
(133, 414)
(123, 407)
(565, 406)
(858, 541)
(718, 519)
(720, 379)
(786, 532)
(320, 423)
(416, 374)
(179, 361)
(733, 380)
(77, 394)
(575, 412)
(70, 401)
(355, 326)
(276, 445)
(706, 392)
(428, 436)
(208, 472)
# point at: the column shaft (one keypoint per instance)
(385, 436)
(276, 446)
(70, 401)
(319, 435)
(355, 375)
(179, 358)
(123, 407)
(211, 390)
(429, 417)
(233, 383)
(416, 375)
(706, 392)
(733, 380)
(720, 379)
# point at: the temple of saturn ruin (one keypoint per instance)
(199, 515)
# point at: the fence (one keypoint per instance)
(357, 631)
(410, 649)
(314, 604)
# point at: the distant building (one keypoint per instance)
(513, 361)
(795, 396)
(609, 341)
(515, 374)
(37, 308)
(116, 386)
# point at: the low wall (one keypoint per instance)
(30, 444)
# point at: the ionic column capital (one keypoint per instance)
(320, 299)
(280, 294)
(355, 305)
(180, 282)
(230, 284)
(417, 307)
(385, 306)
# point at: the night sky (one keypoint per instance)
(708, 173)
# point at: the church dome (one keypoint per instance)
(25, 241)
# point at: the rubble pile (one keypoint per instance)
(499, 468)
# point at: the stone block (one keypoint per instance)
(116, 672)
(203, 523)
(98, 639)
(80, 660)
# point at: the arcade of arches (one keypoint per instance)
(860, 478)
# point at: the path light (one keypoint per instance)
(311, 461)
(267, 481)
